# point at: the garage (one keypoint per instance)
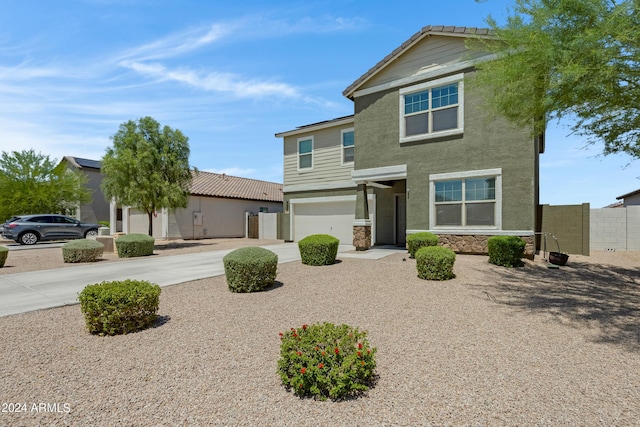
(325, 216)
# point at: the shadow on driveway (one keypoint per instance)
(597, 296)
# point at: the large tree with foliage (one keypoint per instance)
(578, 59)
(147, 167)
(32, 183)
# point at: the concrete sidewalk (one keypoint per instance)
(23, 292)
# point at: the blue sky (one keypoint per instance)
(230, 75)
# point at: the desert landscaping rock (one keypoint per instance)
(494, 346)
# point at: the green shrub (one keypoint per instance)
(4, 252)
(134, 245)
(506, 251)
(435, 263)
(326, 361)
(318, 249)
(85, 250)
(119, 307)
(250, 269)
(416, 241)
(104, 223)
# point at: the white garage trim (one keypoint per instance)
(332, 199)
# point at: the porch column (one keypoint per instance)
(125, 219)
(362, 223)
(113, 217)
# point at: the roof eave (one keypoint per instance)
(425, 32)
(633, 193)
(318, 126)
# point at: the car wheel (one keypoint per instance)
(28, 238)
(93, 233)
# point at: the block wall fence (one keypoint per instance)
(615, 229)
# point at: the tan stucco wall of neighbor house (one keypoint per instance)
(139, 222)
(217, 217)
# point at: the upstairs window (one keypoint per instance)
(305, 153)
(348, 154)
(431, 109)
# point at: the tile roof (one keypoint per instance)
(216, 185)
(424, 32)
(222, 185)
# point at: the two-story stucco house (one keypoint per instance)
(420, 153)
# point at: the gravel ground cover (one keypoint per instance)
(494, 346)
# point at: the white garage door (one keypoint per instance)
(333, 218)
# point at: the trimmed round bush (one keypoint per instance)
(134, 245)
(318, 249)
(250, 269)
(85, 250)
(4, 252)
(506, 251)
(435, 263)
(326, 361)
(119, 307)
(416, 241)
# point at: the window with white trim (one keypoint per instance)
(348, 153)
(432, 109)
(468, 200)
(305, 153)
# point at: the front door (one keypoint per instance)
(401, 219)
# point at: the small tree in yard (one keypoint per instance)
(147, 167)
(576, 59)
(32, 183)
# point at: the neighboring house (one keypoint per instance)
(98, 208)
(630, 199)
(419, 154)
(217, 207)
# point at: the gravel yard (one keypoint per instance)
(494, 346)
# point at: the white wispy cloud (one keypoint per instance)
(322, 25)
(145, 59)
(177, 44)
(219, 82)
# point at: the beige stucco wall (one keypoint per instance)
(220, 218)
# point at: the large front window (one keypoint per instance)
(431, 109)
(468, 200)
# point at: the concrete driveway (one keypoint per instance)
(23, 292)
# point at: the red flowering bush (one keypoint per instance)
(326, 361)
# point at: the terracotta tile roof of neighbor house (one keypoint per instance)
(222, 185)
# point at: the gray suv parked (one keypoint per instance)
(29, 229)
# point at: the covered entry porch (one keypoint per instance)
(389, 186)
